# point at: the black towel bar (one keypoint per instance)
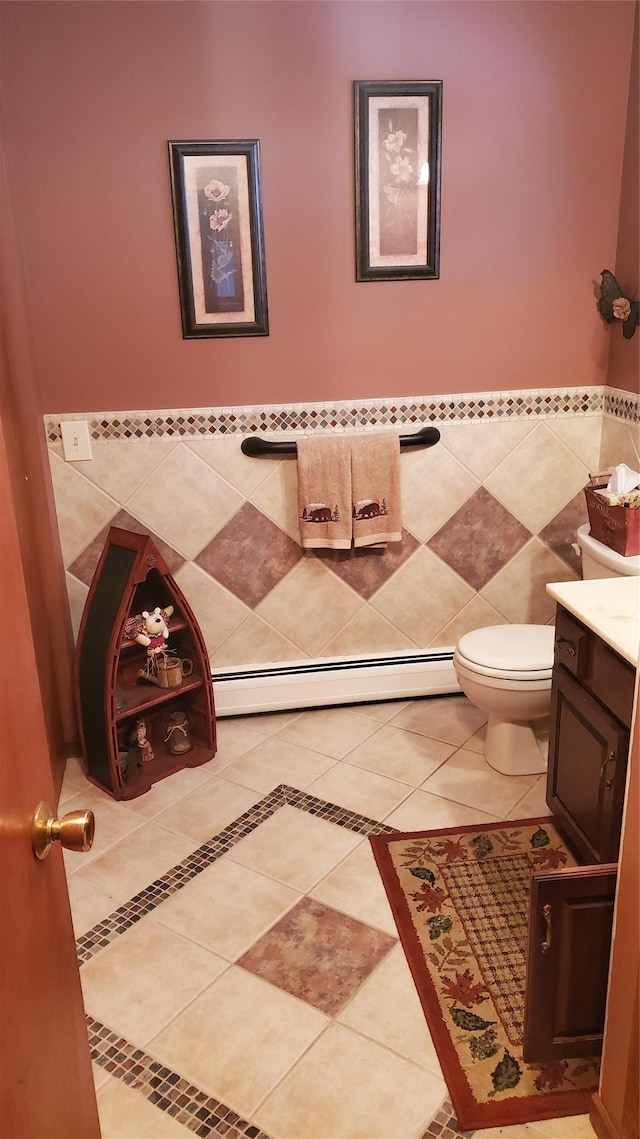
(254, 446)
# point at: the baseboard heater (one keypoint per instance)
(333, 680)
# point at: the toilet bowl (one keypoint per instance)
(506, 671)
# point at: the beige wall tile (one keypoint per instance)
(582, 434)
(422, 597)
(120, 466)
(310, 605)
(82, 508)
(217, 611)
(367, 632)
(277, 496)
(519, 590)
(477, 614)
(225, 456)
(620, 444)
(434, 486)
(184, 501)
(482, 446)
(254, 641)
(538, 478)
(77, 593)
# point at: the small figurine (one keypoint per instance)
(152, 631)
(138, 739)
(177, 736)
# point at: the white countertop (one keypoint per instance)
(609, 606)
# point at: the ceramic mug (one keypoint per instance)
(171, 671)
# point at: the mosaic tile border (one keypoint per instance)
(205, 855)
(161, 1086)
(166, 1089)
(356, 415)
(622, 405)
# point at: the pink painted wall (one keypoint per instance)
(624, 355)
(535, 98)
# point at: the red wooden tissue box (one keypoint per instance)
(615, 526)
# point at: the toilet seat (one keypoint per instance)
(515, 653)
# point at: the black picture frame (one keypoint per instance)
(217, 213)
(398, 130)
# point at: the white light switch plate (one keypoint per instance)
(76, 441)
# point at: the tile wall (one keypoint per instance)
(489, 516)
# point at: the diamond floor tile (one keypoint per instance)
(318, 955)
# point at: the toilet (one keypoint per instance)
(506, 671)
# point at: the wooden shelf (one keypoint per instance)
(136, 701)
(132, 577)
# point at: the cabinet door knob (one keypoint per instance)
(546, 944)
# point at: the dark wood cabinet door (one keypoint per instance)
(586, 776)
(570, 921)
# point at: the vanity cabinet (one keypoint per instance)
(571, 910)
(591, 707)
(135, 726)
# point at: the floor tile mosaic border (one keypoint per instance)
(205, 855)
(166, 1089)
(411, 412)
(160, 1085)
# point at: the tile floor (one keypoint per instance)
(240, 965)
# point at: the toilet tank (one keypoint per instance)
(599, 560)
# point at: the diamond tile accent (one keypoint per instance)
(479, 539)
(250, 555)
(85, 564)
(365, 570)
(318, 955)
(560, 533)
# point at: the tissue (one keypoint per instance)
(623, 479)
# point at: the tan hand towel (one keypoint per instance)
(324, 492)
(375, 488)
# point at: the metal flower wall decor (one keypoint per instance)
(613, 305)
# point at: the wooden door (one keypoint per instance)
(46, 1085)
(587, 769)
(570, 924)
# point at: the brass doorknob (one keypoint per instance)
(74, 831)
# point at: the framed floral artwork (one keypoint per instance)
(217, 212)
(398, 144)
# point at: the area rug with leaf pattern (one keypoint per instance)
(460, 899)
